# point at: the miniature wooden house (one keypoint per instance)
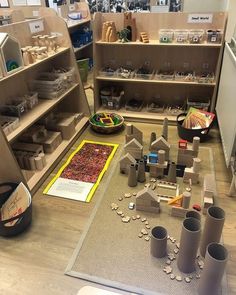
(10, 54)
(161, 144)
(125, 162)
(134, 148)
(147, 200)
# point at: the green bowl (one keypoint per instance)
(98, 122)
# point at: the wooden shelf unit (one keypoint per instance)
(72, 101)
(177, 56)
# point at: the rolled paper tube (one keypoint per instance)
(189, 241)
(132, 177)
(213, 227)
(158, 242)
(42, 155)
(153, 137)
(193, 214)
(186, 200)
(196, 142)
(32, 163)
(141, 171)
(213, 271)
(196, 165)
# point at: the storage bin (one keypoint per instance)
(189, 134)
(181, 36)
(125, 72)
(16, 108)
(187, 76)
(21, 221)
(154, 107)
(196, 36)
(166, 36)
(134, 105)
(198, 103)
(144, 73)
(205, 77)
(107, 72)
(214, 36)
(165, 75)
(9, 124)
(83, 65)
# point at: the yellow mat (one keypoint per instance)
(81, 173)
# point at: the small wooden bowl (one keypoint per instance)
(106, 128)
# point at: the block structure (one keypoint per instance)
(161, 144)
(186, 154)
(147, 200)
(193, 172)
(134, 148)
(133, 132)
(208, 192)
(125, 163)
(156, 168)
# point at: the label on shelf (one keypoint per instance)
(200, 18)
(36, 26)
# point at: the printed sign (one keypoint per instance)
(36, 26)
(200, 18)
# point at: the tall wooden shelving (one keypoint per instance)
(196, 56)
(72, 101)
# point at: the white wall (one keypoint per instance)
(205, 5)
(231, 20)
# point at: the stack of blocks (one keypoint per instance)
(147, 200)
(157, 164)
(208, 192)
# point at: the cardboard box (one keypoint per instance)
(66, 125)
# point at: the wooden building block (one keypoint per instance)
(178, 211)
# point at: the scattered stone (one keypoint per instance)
(144, 231)
(126, 219)
(176, 251)
(198, 276)
(188, 189)
(153, 180)
(146, 222)
(198, 256)
(143, 219)
(187, 279)
(134, 194)
(147, 239)
(177, 245)
(168, 262)
(148, 226)
(119, 212)
(167, 269)
(172, 276)
(120, 199)
(140, 235)
(173, 240)
(200, 264)
(114, 206)
(134, 217)
(191, 277)
(147, 185)
(138, 216)
(171, 256)
(122, 215)
(168, 237)
(128, 195)
(178, 278)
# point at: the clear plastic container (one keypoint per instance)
(205, 77)
(125, 72)
(214, 36)
(107, 72)
(165, 75)
(198, 103)
(15, 108)
(196, 36)
(134, 104)
(181, 36)
(186, 76)
(166, 36)
(155, 107)
(145, 73)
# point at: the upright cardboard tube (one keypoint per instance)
(193, 214)
(213, 227)
(189, 241)
(158, 242)
(141, 171)
(132, 177)
(213, 271)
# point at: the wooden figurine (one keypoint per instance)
(109, 33)
(130, 24)
(144, 37)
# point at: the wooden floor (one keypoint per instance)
(34, 262)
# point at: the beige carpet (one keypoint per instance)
(110, 251)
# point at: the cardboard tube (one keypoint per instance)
(213, 271)
(189, 241)
(141, 171)
(158, 242)
(193, 214)
(213, 227)
(132, 177)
